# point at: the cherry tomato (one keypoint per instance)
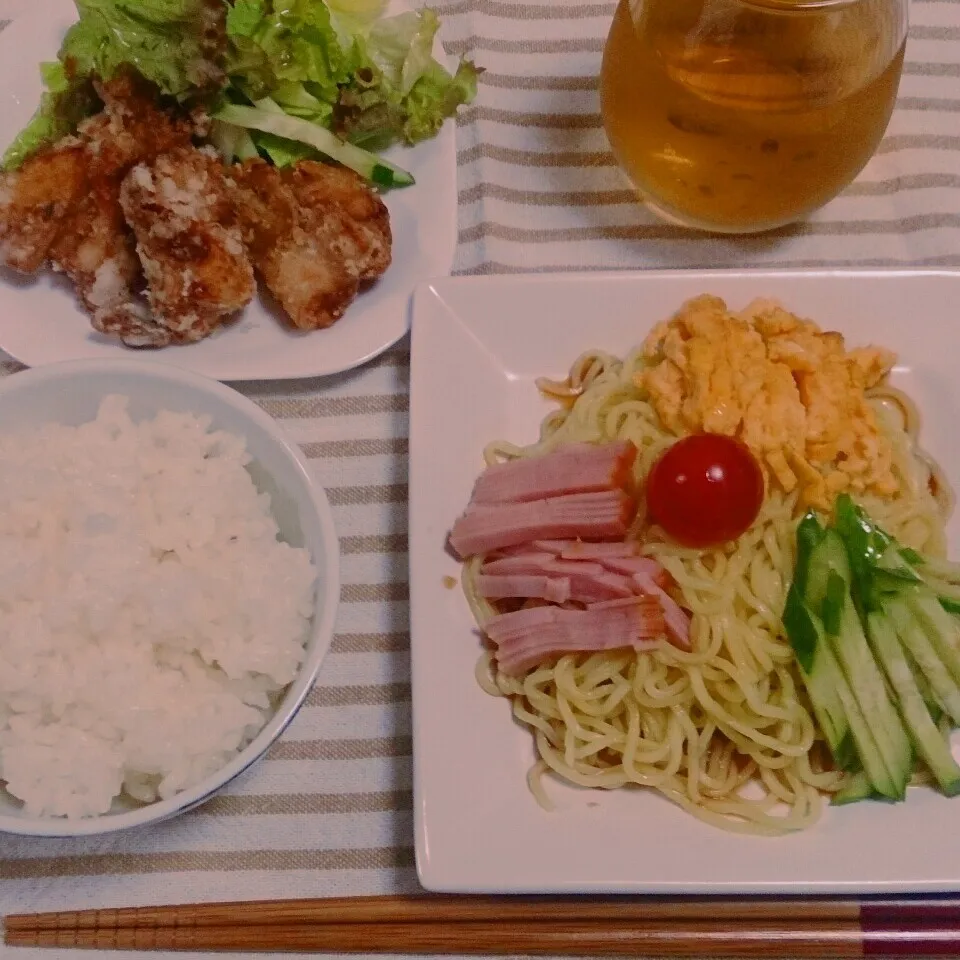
(706, 489)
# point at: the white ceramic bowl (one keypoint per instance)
(70, 393)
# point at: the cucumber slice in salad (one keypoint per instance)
(271, 119)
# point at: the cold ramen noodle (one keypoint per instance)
(717, 574)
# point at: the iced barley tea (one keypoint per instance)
(743, 115)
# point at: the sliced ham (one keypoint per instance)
(556, 547)
(517, 585)
(578, 550)
(631, 566)
(677, 622)
(519, 561)
(526, 637)
(552, 532)
(574, 468)
(589, 582)
(620, 556)
(592, 516)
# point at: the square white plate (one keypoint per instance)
(42, 322)
(478, 344)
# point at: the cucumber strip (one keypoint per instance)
(932, 703)
(856, 786)
(870, 690)
(267, 120)
(939, 626)
(882, 744)
(895, 567)
(818, 667)
(829, 564)
(833, 602)
(868, 751)
(914, 638)
(829, 556)
(246, 148)
(921, 729)
(809, 533)
(941, 569)
(821, 675)
(943, 588)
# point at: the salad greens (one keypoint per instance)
(874, 628)
(172, 43)
(63, 104)
(344, 79)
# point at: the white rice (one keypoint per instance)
(149, 616)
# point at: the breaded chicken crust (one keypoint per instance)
(362, 219)
(316, 234)
(63, 204)
(197, 269)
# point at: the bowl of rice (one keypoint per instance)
(169, 578)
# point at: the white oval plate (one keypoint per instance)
(42, 322)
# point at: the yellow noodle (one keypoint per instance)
(723, 730)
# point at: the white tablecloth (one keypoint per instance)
(328, 812)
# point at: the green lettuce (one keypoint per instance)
(284, 42)
(176, 44)
(436, 96)
(336, 65)
(63, 104)
(343, 66)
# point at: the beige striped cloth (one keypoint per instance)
(328, 812)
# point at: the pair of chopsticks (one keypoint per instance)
(579, 926)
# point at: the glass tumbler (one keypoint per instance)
(738, 116)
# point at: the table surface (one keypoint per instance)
(328, 811)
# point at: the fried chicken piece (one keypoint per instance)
(63, 204)
(134, 325)
(316, 234)
(96, 249)
(34, 201)
(193, 257)
(291, 248)
(132, 127)
(363, 220)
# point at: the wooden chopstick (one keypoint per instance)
(443, 908)
(706, 939)
(612, 926)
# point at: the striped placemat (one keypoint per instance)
(328, 812)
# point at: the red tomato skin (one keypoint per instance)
(704, 490)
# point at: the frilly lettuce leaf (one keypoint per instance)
(436, 96)
(176, 44)
(402, 47)
(338, 64)
(63, 105)
(405, 94)
(287, 41)
(341, 65)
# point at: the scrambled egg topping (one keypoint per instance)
(790, 391)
